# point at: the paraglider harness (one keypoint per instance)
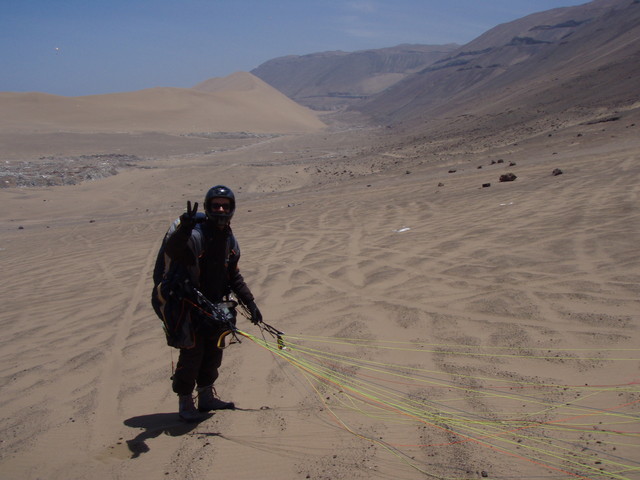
(186, 309)
(222, 315)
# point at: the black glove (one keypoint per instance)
(254, 311)
(188, 219)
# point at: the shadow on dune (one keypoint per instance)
(154, 425)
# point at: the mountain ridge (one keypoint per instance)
(527, 66)
(335, 79)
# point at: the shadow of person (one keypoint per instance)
(154, 425)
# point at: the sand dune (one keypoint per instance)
(256, 108)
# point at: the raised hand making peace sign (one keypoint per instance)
(188, 218)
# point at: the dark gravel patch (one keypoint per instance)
(51, 170)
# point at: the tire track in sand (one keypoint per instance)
(107, 421)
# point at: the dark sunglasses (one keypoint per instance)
(217, 206)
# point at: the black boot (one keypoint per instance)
(187, 410)
(208, 400)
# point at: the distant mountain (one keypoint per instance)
(239, 102)
(581, 58)
(331, 80)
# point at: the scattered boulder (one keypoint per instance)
(453, 170)
(556, 172)
(486, 185)
(508, 177)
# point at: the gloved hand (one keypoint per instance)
(254, 311)
(188, 219)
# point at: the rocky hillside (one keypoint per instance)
(584, 60)
(330, 80)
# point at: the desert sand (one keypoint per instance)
(434, 327)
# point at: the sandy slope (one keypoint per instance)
(257, 108)
(502, 290)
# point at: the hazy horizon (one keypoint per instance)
(84, 48)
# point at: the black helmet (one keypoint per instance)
(216, 217)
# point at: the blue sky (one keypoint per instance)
(85, 47)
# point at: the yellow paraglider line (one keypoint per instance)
(374, 389)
